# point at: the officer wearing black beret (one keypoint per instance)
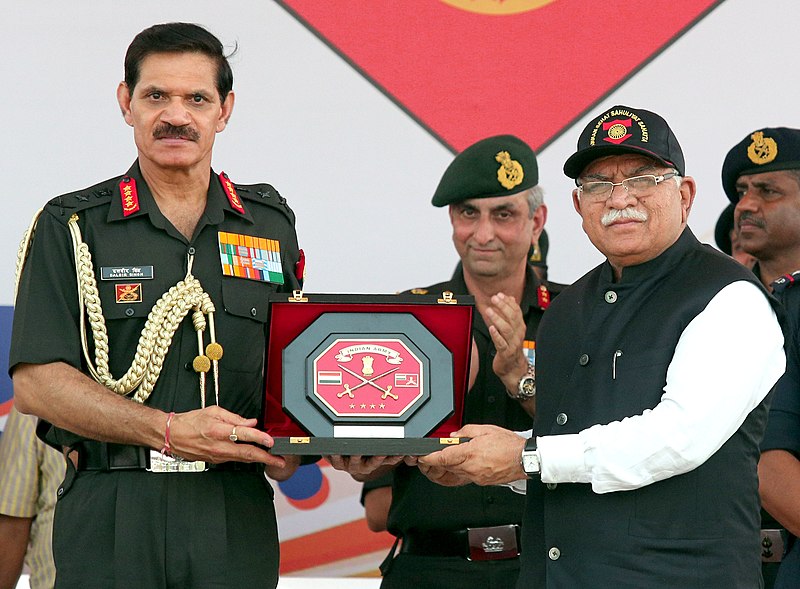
(469, 536)
(761, 175)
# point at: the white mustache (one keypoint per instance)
(628, 213)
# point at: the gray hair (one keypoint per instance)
(535, 195)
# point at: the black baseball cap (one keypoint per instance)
(623, 129)
(766, 150)
(496, 166)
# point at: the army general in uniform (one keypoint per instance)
(139, 335)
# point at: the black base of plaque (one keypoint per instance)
(362, 446)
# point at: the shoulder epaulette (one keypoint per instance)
(786, 281)
(65, 205)
(265, 194)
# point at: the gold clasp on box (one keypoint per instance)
(447, 299)
(297, 297)
(299, 440)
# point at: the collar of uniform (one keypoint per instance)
(661, 263)
(217, 203)
(142, 191)
(529, 300)
(457, 283)
(530, 295)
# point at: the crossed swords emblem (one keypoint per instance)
(348, 390)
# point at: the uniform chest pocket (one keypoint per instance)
(246, 298)
(241, 330)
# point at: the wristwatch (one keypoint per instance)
(531, 463)
(526, 389)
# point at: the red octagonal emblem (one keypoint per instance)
(368, 377)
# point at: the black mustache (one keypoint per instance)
(165, 130)
(747, 216)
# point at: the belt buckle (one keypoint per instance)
(160, 462)
(493, 543)
(772, 545)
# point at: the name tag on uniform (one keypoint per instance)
(126, 272)
(248, 256)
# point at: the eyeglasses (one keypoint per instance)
(637, 187)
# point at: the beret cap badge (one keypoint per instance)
(510, 172)
(474, 172)
(762, 150)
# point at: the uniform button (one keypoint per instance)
(583, 360)
(253, 312)
(611, 296)
(554, 553)
(188, 366)
(561, 418)
(490, 500)
(552, 486)
(191, 251)
(129, 312)
(60, 491)
(490, 399)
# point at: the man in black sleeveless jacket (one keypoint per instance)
(652, 375)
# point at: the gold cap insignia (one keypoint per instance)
(510, 173)
(762, 150)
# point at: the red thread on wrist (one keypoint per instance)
(167, 449)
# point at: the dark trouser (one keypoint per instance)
(136, 529)
(409, 571)
(788, 576)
